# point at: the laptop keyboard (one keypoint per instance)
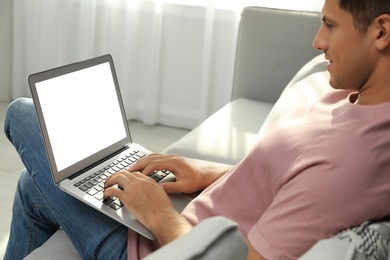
(93, 185)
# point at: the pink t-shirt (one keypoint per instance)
(317, 171)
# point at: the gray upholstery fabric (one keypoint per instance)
(57, 247)
(215, 238)
(225, 136)
(272, 46)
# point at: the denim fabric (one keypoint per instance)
(40, 207)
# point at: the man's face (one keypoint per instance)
(347, 50)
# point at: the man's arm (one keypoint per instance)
(173, 227)
(192, 175)
(150, 205)
(252, 253)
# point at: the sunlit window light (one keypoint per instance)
(307, 5)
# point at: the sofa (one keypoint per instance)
(276, 70)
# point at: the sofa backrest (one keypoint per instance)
(272, 46)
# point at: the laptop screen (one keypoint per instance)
(81, 114)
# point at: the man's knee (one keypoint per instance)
(20, 111)
(19, 108)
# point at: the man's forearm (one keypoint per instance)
(170, 227)
(212, 171)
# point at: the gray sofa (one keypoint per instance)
(273, 45)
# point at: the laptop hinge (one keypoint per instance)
(97, 163)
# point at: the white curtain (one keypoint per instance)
(174, 60)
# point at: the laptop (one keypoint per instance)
(86, 134)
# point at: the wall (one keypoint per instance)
(5, 49)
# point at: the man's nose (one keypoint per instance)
(320, 43)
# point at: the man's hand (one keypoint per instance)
(191, 175)
(149, 203)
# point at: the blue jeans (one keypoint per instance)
(40, 207)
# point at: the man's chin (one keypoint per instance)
(333, 84)
(337, 85)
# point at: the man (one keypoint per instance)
(320, 170)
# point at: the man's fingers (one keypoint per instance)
(122, 180)
(115, 184)
(153, 162)
(112, 191)
(169, 187)
(143, 162)
(117, 178)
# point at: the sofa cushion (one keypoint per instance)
(225, 136)
(58, 247)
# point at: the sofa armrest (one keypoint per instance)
(214, 238)
(227, 135)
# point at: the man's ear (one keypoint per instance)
(382, 26)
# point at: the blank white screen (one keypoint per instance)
(81, 112)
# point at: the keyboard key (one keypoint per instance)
(89, 185)
(92, 192)
(111, 171)
(108, 200)
(115, 206)
(83, 188)
(156, 178)
(98, 179)
(99, 196)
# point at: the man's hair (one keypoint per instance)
(365, 11)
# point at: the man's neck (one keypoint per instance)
(375, 97)
(377, 88)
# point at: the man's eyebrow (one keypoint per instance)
(326, 19)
